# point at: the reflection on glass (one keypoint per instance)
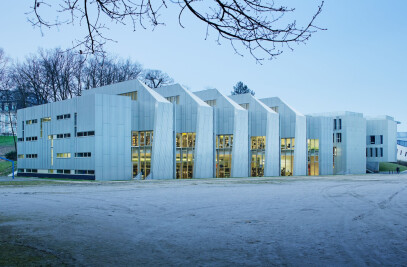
(185, 147)
(287, 156)
(258, 156)
(224, 145)
(141, 152)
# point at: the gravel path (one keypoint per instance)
(336, 220)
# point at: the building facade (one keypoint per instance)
(402, 148)
(293, 137)
(230, 134)
(152, 129)
(128, 130)
(349, 141)
(381, 141)
(263, 136)
(84, 137)
(193, 124)
(319, 145)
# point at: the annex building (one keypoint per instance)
(128, 130)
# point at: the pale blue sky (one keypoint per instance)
(358, 64)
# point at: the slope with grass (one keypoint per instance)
(389, 166)
(6, 167)
(6, 141)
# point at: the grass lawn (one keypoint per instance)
(6, 167)
(388, 166)
(6, 141)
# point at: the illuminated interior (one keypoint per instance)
(185, 148)
(141, 147)
(287, 156)
(224, 145)
(258, 156)
(313, 157)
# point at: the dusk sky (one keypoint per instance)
(358, 64)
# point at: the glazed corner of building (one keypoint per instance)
(127, 130)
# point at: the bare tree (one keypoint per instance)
(27, 77)
(7, 103)
(105, 70)
(156, 78)
(60, 72)
(254, 24)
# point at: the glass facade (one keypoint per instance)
(313, 157)
(287, 156)
(258, 155)
(141, 148)
(224, 145)
(185, 148)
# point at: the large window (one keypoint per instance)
(142, 143)
(211, 103)
(287, 156)
(46, 119)
(245, 105)
(258, 155)
(185, 148)
(372, 139)
(313, 157)
(173, 99)
(224, 145)
(132, 95)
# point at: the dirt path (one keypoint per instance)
(345, 220)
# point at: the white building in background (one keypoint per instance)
(293, 137)
(128, 130)
(230, 133)
(8, 118)
(402, 148)
(263, 136)
(381, 141)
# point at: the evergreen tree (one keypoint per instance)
(241, 88)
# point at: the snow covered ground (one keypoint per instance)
(340, 220)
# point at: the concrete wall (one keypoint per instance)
(355, 135)
(112, 138)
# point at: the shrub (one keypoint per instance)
(11, 155)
